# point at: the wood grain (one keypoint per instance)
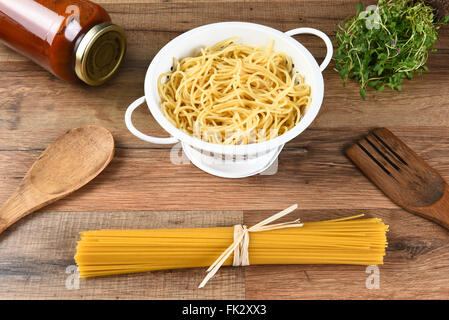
(312, 171)
(141, 181)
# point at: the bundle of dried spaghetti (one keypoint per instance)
(341, 241)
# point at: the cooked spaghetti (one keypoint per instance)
(339, 241)
(234, 94)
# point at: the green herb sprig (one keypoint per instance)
(383, 46)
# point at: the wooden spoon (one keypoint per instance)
(66, 165)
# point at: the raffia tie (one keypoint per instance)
(241, 241)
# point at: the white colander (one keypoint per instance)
(232, 161)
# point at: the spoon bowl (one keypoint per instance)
(69, 163)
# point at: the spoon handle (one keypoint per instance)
(21, 203)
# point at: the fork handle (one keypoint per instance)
(438, 211)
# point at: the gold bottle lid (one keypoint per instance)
(100, 53)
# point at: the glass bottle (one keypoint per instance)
(73, 39)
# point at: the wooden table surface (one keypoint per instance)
(142, 188)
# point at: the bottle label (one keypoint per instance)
(43, 22)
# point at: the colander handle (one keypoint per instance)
(320, 34)
(137, 133)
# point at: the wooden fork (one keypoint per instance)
(402, 175)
